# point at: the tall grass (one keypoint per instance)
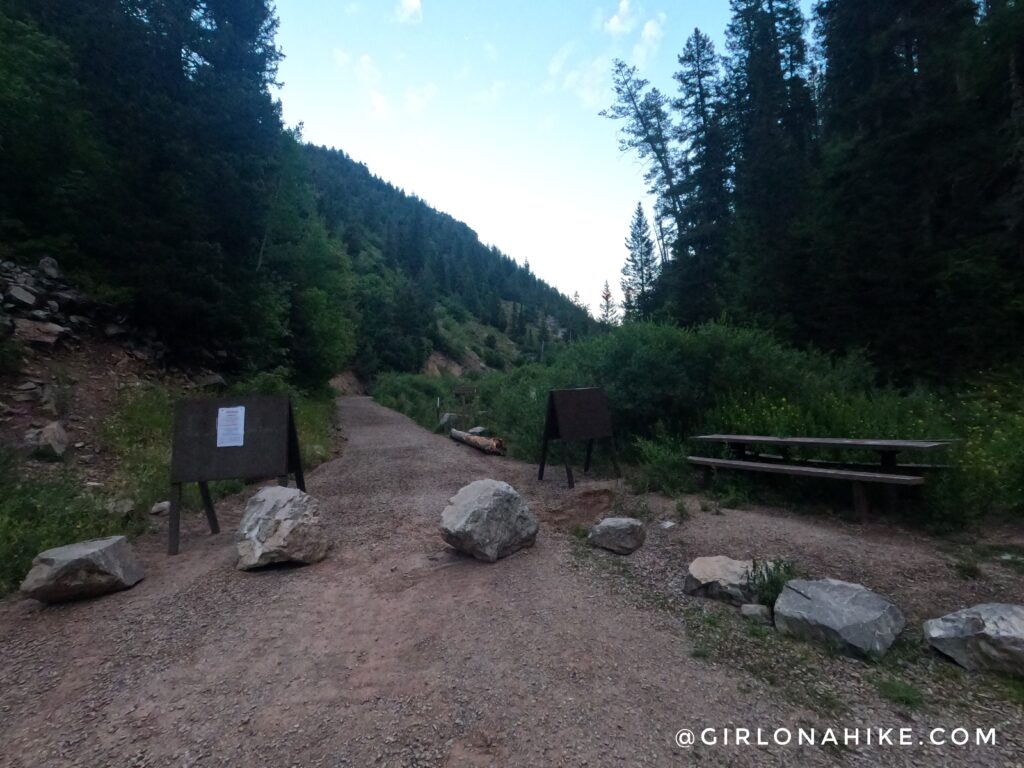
(36, 515)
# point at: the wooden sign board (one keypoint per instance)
(573, 415)
(230, 438)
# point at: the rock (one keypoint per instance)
(448, 420)
(160, 508)
(758, 614)
(210, 380)
(68, 299)
(49, 442)
(52, 306)
(121, 507)
(21, 296)
(6, 326)
(986, 637)
(719, 578)
(36, 332)
(667, 524)
(488, 520)
(280, 525)
(621, 535)
(49, 267)
(113, 330)
(478, 431)
(86, 569)
(849, 617)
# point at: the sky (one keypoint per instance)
(488, 111)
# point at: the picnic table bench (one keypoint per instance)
(888, 472)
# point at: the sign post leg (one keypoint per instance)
(568, 467)
(294, 452)
(174, 520)
(615, 459)
(211, 513)
(543, 459)
(590, 453)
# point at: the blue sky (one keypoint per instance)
(488, 111)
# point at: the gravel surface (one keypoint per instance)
(396, 651)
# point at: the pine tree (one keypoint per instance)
(701, 247)
(609, 315)
(648, 130)
(771, 119)
(640, 270)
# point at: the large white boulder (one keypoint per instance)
(280, 525)
(85, 569)
(989, 637)
(848, 617)
(488, 520)
(621, 535)
(720, 578)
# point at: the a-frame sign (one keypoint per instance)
(574, 415)
(230, 438)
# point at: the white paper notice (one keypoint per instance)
(230, 427)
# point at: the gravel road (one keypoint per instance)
(394, 651)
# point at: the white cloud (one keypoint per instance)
(650, 39)
(417, 99)
(341, 58)
(380, 106)
(589, 80)
(491, 51)
(366, 71)
(622, 21)
(492, 94)
(558, 61)
(409, 11)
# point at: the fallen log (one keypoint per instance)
(492, 445)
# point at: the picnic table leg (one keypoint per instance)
(889, 466)
(861, 507)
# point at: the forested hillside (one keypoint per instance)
(140, 145)
(855, 183)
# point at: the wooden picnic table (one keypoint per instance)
(887, 472)
(887, 449)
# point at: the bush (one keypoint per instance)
(662, 465)
(414, 395)
(767, 579)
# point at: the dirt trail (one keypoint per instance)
(394, 651)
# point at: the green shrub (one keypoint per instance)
(662, 465)
(767, 578)
(414, 395)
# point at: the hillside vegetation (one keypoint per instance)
(142, 148)
(665, 384)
